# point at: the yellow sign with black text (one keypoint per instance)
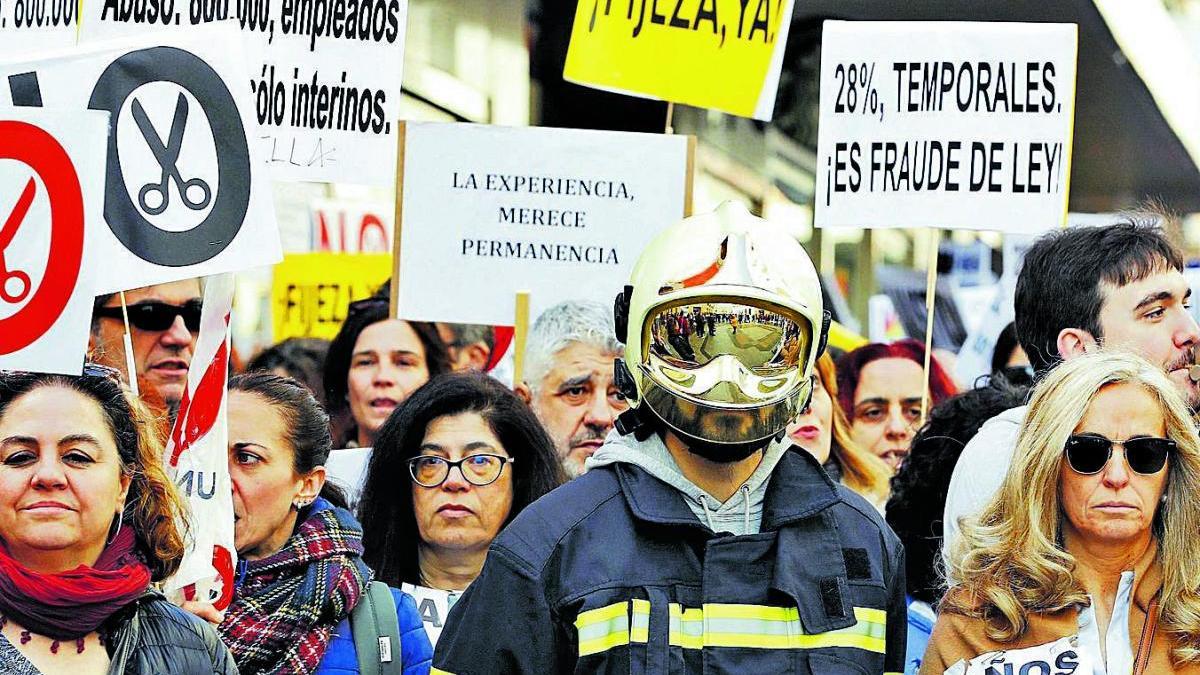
(310, 292)
(721, 54)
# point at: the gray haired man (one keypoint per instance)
(569, 378)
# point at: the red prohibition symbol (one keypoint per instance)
(30, 145)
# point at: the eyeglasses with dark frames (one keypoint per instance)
(483, 469)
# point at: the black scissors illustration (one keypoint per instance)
(168, 158)
(11, 224)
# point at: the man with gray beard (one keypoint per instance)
(569, 378)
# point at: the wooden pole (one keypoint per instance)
(520, 333)
(930, 297)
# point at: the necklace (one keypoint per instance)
(27, 636)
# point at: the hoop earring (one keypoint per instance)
(113, 533)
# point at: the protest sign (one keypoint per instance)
(30, 25)
(197, 458)
(325, 76)
(346, 226)
(1061, 657)
(485, 212)
(184, 195)
(722, 54)
(50, 211)
(434, 605)
(310, 292)
(945, 124)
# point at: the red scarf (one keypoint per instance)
(72, 604)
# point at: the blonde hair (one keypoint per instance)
(1010, 561)
(862, 471)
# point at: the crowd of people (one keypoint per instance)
(689, 481)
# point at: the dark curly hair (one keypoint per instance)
(919, 489)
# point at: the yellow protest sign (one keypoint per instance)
(310, 292)
(722, 54)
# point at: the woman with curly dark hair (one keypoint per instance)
(914, 510)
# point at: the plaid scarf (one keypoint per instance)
(287, 605)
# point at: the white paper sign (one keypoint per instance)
(434, 606)
(325, 77)
(198, 458)
(1062, 657)
(185, 193)
(27, 26)
(50, 214)
(560, 213)
(945, 124)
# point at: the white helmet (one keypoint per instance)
(722, 323)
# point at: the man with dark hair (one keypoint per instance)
(164, 321)
(470, 346)
(1121, 287)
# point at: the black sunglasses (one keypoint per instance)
(157, 316)
(1089, 453)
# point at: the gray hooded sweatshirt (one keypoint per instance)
(740, 515)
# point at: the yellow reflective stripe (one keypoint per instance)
(763, 627)
(439, 671)
(639, 627)
(606, 627)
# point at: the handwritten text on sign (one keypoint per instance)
(560, 213)
(723, 54)
(322, 116)
(948, 124)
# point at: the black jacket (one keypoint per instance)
(151, 636)
(613, 573)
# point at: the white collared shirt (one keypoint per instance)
(1118, 651)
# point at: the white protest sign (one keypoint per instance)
(434, 606)
(31, 25)
(351, 226)
(325, 76)
(945, 124)
(51, 208)
(185, 194)
(560, 213)
(198, 458)
(1062, 657)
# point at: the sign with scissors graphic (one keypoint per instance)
(49, 210)
(184, 194)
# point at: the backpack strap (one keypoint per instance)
(376, 632)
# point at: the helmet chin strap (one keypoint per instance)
(642, 424)
(723, 452)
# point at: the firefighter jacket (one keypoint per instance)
(614, 573)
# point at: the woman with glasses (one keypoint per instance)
(89, 522)
(1088, 560)
(475, 456)
(300, 570)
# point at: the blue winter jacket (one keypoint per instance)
(415, 650)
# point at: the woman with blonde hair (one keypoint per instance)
(823, 430)
(1088, 559)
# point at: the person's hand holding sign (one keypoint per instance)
(7, 232)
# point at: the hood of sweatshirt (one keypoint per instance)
(741, 514)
